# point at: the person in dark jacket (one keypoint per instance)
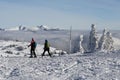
(32, 50)
(46, 48)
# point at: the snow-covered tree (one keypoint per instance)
(93, 39)
(106, 41)
(80, 44)
(101, 44)
(109, 42)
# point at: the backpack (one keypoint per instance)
(35, 45)
(47, 45)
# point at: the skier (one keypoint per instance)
(46, 48)
(32, 50)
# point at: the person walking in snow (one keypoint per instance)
(46, 48)
(33, 47)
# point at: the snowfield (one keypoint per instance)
(15, 64)
(19, 49)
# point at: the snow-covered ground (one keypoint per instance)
(21, 49)
(15, 64)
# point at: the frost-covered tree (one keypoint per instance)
(80, 44)
(109, 42)
(101, 44)
(93, 39)
(106, 41)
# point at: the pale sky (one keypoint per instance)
(79, 14)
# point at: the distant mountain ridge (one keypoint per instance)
(36, 28)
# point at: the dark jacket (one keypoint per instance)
(46, 45)
(32, 44)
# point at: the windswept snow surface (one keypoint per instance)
(15, 64)
(20, 49)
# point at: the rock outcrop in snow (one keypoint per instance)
(2, 29)
(42, 27)
(22, 28)
(93, 39)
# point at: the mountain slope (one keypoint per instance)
(15, 64)
(35, 28)
(19, 49)
(66, 67)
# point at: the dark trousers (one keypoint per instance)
(48, 50)
(32, 52)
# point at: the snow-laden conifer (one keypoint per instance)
(93, 39)
(106, 41)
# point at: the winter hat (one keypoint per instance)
(33, 39)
